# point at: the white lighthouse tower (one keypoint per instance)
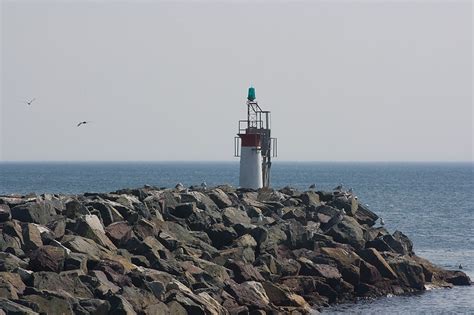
(254, 146)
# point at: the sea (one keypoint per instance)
(432, 203)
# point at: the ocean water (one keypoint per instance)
(432, 203)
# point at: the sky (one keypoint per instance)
(167, 81)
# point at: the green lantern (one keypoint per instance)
(251, 95)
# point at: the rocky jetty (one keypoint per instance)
(201, 251)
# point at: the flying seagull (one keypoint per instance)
(83, 123)
(29, 102)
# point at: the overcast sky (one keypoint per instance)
(344, 80)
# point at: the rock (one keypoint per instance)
(119, 305)
(89, 226)
(11, 307)
(221, 235)
(308, 268)
(138, 298)
(84, 245)
(406, 246)
(119, 233)
(76, 261)
(249, 293)
(14, 229)
(95, 306)
(11, 285)
(220, 198)
(57, 227)
(201, 200)
(409, 272)
(5, 214)
(244, 272)
(348, 231)
(103, 285)
(457, 278)
(373, 257)
(232, 216)
(297, 213)
(282, 296)
(108, 213)
(310, 198)
(34, 212)
(31, 237)
(114, 270)
(368, 273)
(9, 262)
(50, 303)
(144, 228)
(66, 281)
(364, 216)
(347, 262)
(184, 210)
(75, 209)
(245, 241)
(47, 258)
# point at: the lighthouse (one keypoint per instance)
(255, 146)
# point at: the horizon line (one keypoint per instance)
(235, 161)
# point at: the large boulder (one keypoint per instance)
(221, 235)
(220, 198)
(348, 231)
(232, 216)
(65, 281)
(250, 293)
(50, 303)
(9, 262)
(409, 272)
(75, 209)
(5, 213)
(244, 272)
(201, 200)
(34, 212)
(10, 307)
(373, 257)
(119, 232)
(282, 296)
(11, 285)
(184, 210)
(368, 273)
(364, 216)
(31, 237)
(109, 213)
(47, 258)
(84, 245)
(90, 226)
(347, 262)
(310, 198)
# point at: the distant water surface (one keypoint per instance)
(432, 203)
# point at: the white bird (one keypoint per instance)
(31, 101)
(82, 123)
(204, 185)
(382, 222)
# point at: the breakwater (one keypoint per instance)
(209, 251)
